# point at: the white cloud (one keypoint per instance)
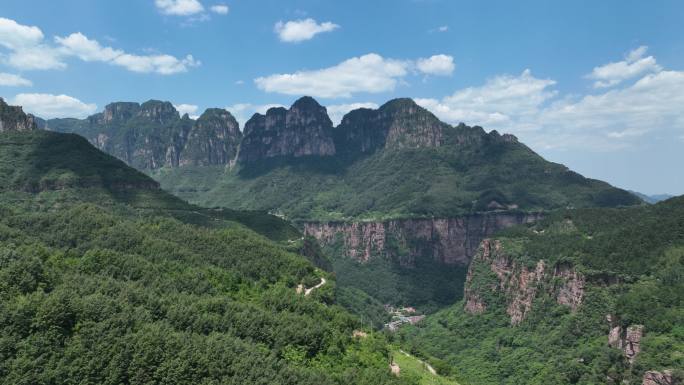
(439, 65)
(337, 111)
(531, 108)
(443, 28)
(190, 109)
(30, 52)
(26, 47)
(295, 31)
(368, 73)
(49, 106)
(179, 7)
(244, 111)
(12, 80)
(635, 64)
(161, 64)
(16, 36)
(499, 100)
(86, 49)
(220, 9)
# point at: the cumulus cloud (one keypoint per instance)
(50, 106)
(12, 80)
(243, 111)
(86, 49)
(501, 99)
(190, 109)
(368, 73)
(443, 28)
(440, 65)
(29, 51)
(531, 108)
(337, 111)
(179, 7)
(220, 9)
(633, 65)
(295, 31)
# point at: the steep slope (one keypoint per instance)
(582, 297)
(103, 281)
(153, 134)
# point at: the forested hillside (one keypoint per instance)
(105, 278)
(583, 297)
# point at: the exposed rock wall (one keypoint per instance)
(518, 284)
(303, 130)
(153, 134)
(13, 118)
(658, 378)
(628, 340)
(448, 240)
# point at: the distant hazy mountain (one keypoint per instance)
(652, 199)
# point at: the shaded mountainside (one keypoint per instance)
(581, 297)
(105, 278)
(395, 162)
(153, 134)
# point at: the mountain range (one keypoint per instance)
(527, 271)
(399, 199)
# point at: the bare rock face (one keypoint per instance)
(303, 130)
(399, 123)
(628, 340)
(494, 272)
(213, 139)
(571, 291)
(120, 111)
(13, 118)
(447, 240)
(632, 342)
(153, 135)
(658, 378)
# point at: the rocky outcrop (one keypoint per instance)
(13, 118)
(153, 134)
(628, 340)
(652, 377)
(399, 123)
(213, 139)
(303, 130)
(447, 240)
(493, 273)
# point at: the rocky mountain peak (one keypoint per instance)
(120, 111)
(13, 118)
(158, 111)
(399, 123)
(303, 130)
(213, 139)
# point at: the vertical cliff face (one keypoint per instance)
(303, 130)
(153, 134)
(447, 240)
(13, 118)
(213, 139)
(399, 123)
(494, 276)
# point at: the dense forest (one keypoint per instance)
(106, 279)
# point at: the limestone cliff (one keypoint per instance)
(303, 130)
(213, 139)
(495, 276)
(448, 240)
(153, 134)
(13, 118)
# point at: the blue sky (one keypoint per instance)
(596, 85)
